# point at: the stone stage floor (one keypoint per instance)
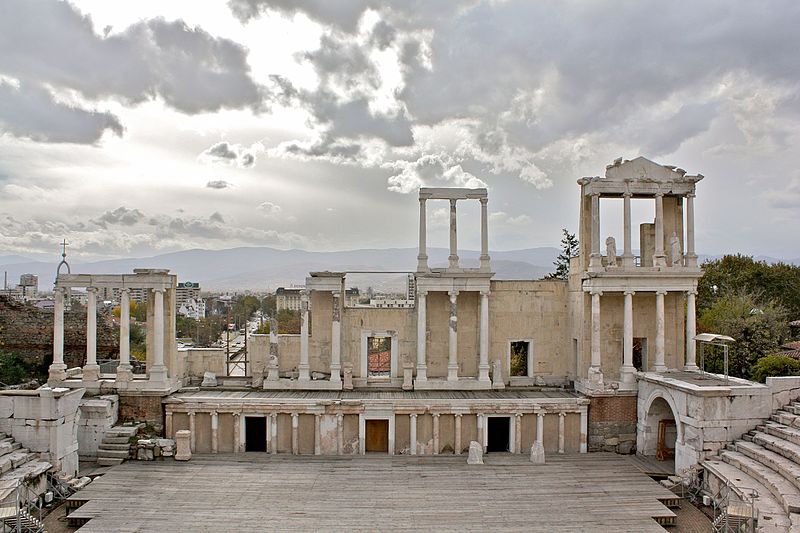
(257, 492)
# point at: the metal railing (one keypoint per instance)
(735, 512)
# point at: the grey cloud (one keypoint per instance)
(216, 216)
(31, 112)
(121, 215)
(227, 153)
(218, 184)
(49, 41)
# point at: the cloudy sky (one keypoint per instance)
(144, 127)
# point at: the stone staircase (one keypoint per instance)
(767, 460)
(116, 445)
(18, 466)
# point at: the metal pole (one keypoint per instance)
(725, 355)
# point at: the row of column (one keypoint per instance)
(271, 443)
(659, 255)
(627, 370)
(303, 367)
(452, 359)
(422, 257)
(91, 370)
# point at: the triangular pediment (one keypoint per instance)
(642, 169)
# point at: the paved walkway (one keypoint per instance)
(256, 492)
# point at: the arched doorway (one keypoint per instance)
(661, 431)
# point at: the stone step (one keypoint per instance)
(779, 445)
(117, 447)
(122, 431)
(786, 418)
(772, 517)
(780, 487)
(780, 464)
(30, 470)
(8, 445)
(116, 440)
(109, 461)
(117, 454)
(16, 459)
(781, 430)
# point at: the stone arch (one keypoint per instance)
(659, 406)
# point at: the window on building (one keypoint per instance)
(379, 357)
(520, 356)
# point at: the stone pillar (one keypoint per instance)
(484, 235)
(124, 370)
(483, 358)
(452, 360)
(303, 367)
(159, 371)
(268, 424)
(317, 436)
(584, 429)
(480, 439)
(457, 436)
(540, 427)
(517, 432)
(273, 438)
(628, 260)
(453, 258)
(659, 257)
(595, 259)
(336, 340)
(214, 432)
(168, 428)
(561, 416)
(595, 370)
(691, 331)
(295, 433)
(57, 371)
(412, 429)
(691, 256)
(362, 434)
(422, 335)
(435, 433)
(627, 371)
(339, 434)
(422, 258)
(91, 370)
(237, 432)
(193, 437)
(660, 365)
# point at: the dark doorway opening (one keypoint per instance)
(640, 353)
(498, 438)
(377, 436)
(255, 434)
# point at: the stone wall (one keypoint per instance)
(28, 331)
(142, 407)
(612, 423)
(97, 414)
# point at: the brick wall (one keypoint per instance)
(136, 407)
(612, 424)
(28, 331)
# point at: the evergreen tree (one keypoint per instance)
(569, 249)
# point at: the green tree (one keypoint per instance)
(288, 321)
(774, 365)
(569, 249)
(758, 326)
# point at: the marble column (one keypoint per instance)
(91, 370)
(484, 235)
(659, 257)
(273, 437)
(422, 258)
(214, 432)
(412, 429)
(584, 429)
(540, 427)
(317, 436)
(435, 433)
(303, 367)
(691, 256)
(595, 370)
(517, 432)
(339, 434)
(691, 331)
(295, 433)
(237, 432)
(481, 432)
(628, 260)
(158, 372)
(457, 446)
(57, 371)
(268, 423)
(453, 258)
(595, 258)
(124, 370)
(362, 434)
(660, 365)
(422, 335)
(168, 431)
(452, 360)
(336, 340)
(192, 431)
(627, 371)
(561, 416)
(483, 354)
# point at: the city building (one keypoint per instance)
(288, 298)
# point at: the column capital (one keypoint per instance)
(661, 292)
(596, 292)
(518, 415)
(190, 413)
(595, 194)
(339, 416)
(435, 415)
(627, 194)
(237, 413)
(422, 293)
(213, 413)
(660, 194)
(273, 415)
(540, 414)
(691, 195)
(458, 415)
(159, 291)
(91, 289)
(693, 292)
(295, 415)
(486, 293)
(453, 293)
(628, 292)
(483, 201)
(422, 200)
(453, 203)
(562, 414)
(413, 415)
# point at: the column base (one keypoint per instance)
(660, 260)
(659, 368)
(691, 260)
(91, 372)
(303, 373)
(691, 368)
(595, 262)
(452, 261)
(422, 373)
(628, 261)
(483, 373)
(422, 263)
(627, 378)
(158, 374)
(452, 373)
(485, 263)
(56, 374)
(595, 376)
(336, 375)
(124, 373)
(272, 373)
